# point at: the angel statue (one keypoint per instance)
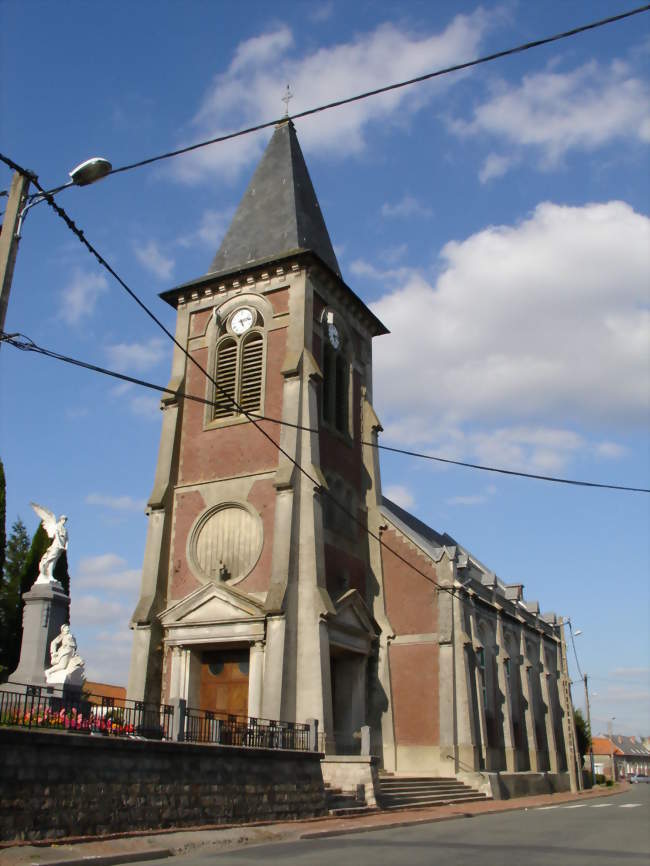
(59, 535)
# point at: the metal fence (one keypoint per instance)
(84, 713)
(81, 712)
(203, 726)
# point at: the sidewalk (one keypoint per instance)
(132, 847)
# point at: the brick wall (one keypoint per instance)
(57, 784)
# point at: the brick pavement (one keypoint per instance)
(131, 847)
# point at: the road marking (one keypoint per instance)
(544, 808)
(601, 805)
(579, 806)
(630, 805)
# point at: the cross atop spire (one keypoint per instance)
(287, 96)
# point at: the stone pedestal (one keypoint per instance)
(46, 610)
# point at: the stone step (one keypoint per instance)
(424, 792)
(420, 783)
(429, 795)
(419, 804)
(353, 810)
(404, 792)
(392, 777)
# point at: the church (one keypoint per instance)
(277, 581)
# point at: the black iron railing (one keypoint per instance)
(80, 712)
(203, 726)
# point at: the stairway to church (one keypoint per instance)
(402, 792)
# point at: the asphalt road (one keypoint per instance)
(613, 831)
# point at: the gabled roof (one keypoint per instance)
(603, 746)
(279, 212)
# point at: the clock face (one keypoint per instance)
(333, 335)
(241, 321)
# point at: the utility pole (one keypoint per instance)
(591, 748)
(9, 238)
(574, 759)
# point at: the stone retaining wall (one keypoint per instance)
(348, 772)
(58, 784)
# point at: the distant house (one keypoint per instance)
(97, 691)
(626, 755)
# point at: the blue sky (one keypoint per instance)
(496, 221)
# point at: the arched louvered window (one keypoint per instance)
(226, 379)
(239, 375)
(250, 389)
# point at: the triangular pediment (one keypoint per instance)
(352, 613)
(209, 604)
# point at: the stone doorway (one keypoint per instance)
(348, 673)
(223, 684)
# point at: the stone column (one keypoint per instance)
(505, 687)
(46, 610)
(180, 673)
(446, 678)
(273, 665)
(469, 751)
(549, 719)
(529, 712)
(478, 688)
(255, 679)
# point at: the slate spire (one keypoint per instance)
(279, 212)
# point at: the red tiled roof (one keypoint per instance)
(603, 746)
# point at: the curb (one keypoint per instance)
(435, 819)
(111, 859)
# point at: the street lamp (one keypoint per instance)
(18, 205)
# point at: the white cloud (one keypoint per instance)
(322, 11)
(152, 258)
(108, 655)
(92, 610)
(555, 112)
(117, 503)
(137, 357)
(495, 165)
(408, 206)
(211, 229)
(530, 330)
(474, 499)
(80, 296)
(255, 80)
(106, 571)
(145, 406)
(400, 495)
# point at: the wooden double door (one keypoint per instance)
(224, 681)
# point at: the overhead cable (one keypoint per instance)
(19, 341)
(317, 485)
(457, 67)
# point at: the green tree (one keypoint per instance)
(10, 602)
(3, 517)
(582, 732)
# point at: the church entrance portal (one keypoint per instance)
(348, 671)
(224, 681)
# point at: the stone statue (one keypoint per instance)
(59, 534)
(67, 666)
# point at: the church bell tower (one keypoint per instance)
(256, 593)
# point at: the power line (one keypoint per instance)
(19, 341)
(575, 652)
(96, 254)
(526, 46)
